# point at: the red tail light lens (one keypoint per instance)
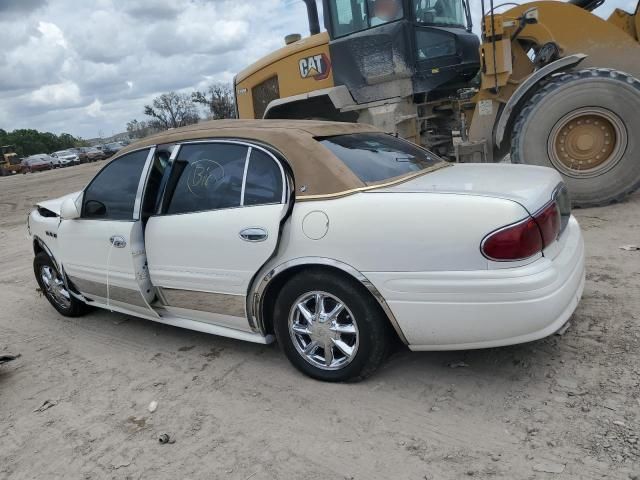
(548, 219)
(515, 242)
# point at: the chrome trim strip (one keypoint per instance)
(90, 287)
(113, 293)
(144, 178)
(255, 299)
(172, 159)
(247, 159)
(211, 302)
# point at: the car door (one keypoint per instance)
(219, 223)
(102, 252)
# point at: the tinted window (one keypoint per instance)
(374, 157)
(112, 193)
(348, 16)
(206, 176)
(264, 180)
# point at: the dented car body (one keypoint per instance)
(331, 237)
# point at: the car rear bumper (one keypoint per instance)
(479, 309)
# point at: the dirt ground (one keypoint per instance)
(563, 407)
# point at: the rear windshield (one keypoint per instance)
(375, 157)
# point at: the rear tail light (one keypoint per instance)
(524, 239)
(548, 219)
(514, 242)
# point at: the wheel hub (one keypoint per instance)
(587, 142)
(323, 330)
(54, 286)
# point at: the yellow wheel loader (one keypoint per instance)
(549, 83)
(9, 161)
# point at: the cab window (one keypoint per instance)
(112, 193)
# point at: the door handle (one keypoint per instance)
(118, 241)
(254, 234)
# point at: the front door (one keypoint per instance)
(102, 252)
(219, 223)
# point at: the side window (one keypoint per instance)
(264, 180)
(206, 176)
(348, 16)
(112, 193)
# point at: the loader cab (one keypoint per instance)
(388, 48)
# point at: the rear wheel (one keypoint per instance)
(330, 328)
(582, 124)
(53, 287)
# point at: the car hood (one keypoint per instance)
(55, 204)
(530, 186)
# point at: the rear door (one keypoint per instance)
(219, 223)
(102, 252)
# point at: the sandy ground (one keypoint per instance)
(564, 407)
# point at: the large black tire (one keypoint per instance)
(71, 306)
(373, 332)
(539, 127)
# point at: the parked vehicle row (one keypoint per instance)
(67, 158)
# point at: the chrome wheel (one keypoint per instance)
(323, 330)
(54, 287)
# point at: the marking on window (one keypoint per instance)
(203, 174)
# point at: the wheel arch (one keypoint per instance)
(511, 110)
(266, 290)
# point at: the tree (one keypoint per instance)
(171, 110)
(30, 141)
(218, 99)
(139, 129)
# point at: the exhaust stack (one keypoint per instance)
(312, 14)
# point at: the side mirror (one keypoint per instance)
(69, 210)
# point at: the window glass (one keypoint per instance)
(383, 11)
(112, 193)
(440, 12)
(348, 16)
(374, 157)
(157, 174)
(264, 180)
(206, 176)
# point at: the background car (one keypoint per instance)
(35, 164)
(92, 154)
(333, 238)
(53, 161)
(67, 158)
(111, 148)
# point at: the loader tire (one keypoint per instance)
(584, 124)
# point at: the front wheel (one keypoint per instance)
(54, 289)
(584, 125)
(330, 328)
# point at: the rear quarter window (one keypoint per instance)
(376, 157)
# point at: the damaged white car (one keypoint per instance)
(331, 238)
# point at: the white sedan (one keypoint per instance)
(329, 237)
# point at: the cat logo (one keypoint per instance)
(316, 67)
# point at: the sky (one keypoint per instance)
(87, 67)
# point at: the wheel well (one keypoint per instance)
(37, 247)
(320, 107)
(272, 290)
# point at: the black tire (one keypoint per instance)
(373, 332)
(75, 307)
(610, 91)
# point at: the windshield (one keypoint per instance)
(440, 12)
(375, 157)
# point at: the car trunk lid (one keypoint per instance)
(530, 186)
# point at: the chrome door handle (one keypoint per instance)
(118, 241)
(254, 234)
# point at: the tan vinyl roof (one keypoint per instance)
(313, 165)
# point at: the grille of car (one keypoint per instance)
(263, 93)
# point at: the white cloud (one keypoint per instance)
(61, 95)
(94, 109)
